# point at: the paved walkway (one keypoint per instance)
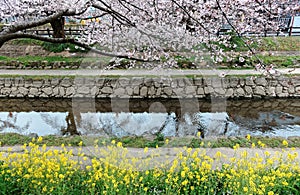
(142, 72)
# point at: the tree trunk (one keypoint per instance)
(58, 28)
(71, 126)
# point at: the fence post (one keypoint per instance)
(48, 31)
(291, 26)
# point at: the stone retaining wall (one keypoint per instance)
(139, 87)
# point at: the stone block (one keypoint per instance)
(94, 91)
(61, 91)
(208, 90)
(248, 90)
(234, 82)
(190, 90)
(48, 90)
(168, 91)
(200, 91)
(129, 91)
(220, 91)
(259, 91)
(271, 91)
(148, 82)
(158, 92)
(137, 81)
(55, 81)
(216, 82)
(144, 91)
(291, 90)
(261, 81)
(279, 90)
(124, 82)
(107, 90)
(37, 83)
(23, 90)
(151, 91)
(99, 82)
(83, 90)
(66, 82)
(34, 92)
(198, 82)
(240, 92)
(249, 81)
(179, 92)
(119, 92)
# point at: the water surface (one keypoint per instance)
(116, 117)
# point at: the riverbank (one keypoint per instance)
(14, 139)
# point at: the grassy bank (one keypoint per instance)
(184, 60)
(262, 44)
(10, 139)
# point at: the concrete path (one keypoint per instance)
(142, 72)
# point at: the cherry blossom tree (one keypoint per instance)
(148, 30)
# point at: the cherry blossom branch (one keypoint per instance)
(22, 26)
(119, 17)
(268, 10)
(190, 16)
(40, 22)
(238, 34)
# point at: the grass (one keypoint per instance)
(281, 61)
(10, 139)
(279, 44)
(250, 62)
(26, 60)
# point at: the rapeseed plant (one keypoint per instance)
(115, 170)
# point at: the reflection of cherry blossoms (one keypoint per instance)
(10, 122)
(39, 123)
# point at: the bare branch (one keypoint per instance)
(190, 16)
(30, 24)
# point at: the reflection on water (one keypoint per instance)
(148, 117)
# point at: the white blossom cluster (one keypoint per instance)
(149, 29)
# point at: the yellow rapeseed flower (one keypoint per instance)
(167, 141)
(285, 143)
(145, 149)
(40, 139)
(182, 173)
(236, 146)
(119, 144)
(248, 137)
(199, 134)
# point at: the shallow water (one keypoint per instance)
(185, 117)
